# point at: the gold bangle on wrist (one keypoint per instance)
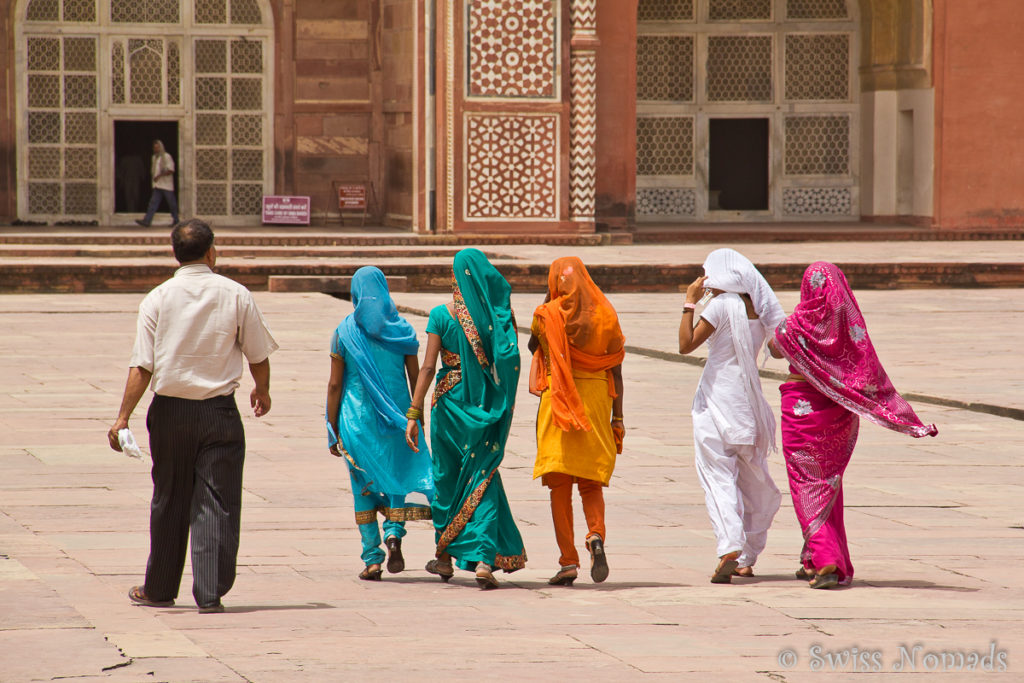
(616, 419)
(414, 413)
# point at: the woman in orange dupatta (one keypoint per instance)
(577, 348)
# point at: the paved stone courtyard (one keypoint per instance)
(935, 525)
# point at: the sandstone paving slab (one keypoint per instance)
(298, 598)
(48, 654)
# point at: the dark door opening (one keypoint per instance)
(738, 173)
(133, 153)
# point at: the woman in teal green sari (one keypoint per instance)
(470, 417)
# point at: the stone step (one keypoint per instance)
(427, 275)
(269, 237)
(723, 233)
(163, 251)
(327, 284)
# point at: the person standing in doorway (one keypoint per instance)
(192, 333)
(162, 172)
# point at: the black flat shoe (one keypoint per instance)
(598, 561)
(802, 573)
(396, 562)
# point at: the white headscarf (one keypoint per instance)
(731, 271)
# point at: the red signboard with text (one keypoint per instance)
(352, 196)
(286, 210)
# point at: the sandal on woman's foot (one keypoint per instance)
(442, 569)
(803, 574)
(727, 564)
(598, 560)
(564, 577)
(138, 595)
(744, 572)
(396, 562)
(372, 572)
(485, 577)
(825, 580)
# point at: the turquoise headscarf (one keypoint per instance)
(376, 317)
(483, 308)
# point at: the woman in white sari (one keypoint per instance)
(733, 426)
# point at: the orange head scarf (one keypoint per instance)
(580, 329)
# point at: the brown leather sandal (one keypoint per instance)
(371, 574)
(727, 564)
(138, 595)
(443, 569)
(564, 577)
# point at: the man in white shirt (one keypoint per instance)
(162, 172)
(192, 333)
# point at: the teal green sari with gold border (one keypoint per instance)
(471, 415)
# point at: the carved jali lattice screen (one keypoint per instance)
(789, 62)
(87, 63)
(229, 126)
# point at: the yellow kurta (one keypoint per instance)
(589, 455)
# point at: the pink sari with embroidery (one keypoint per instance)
(826, 340)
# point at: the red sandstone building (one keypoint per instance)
(519, 115)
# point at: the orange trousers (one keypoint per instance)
(561, 512)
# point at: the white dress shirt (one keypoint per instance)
(193, 331)
(163, 162)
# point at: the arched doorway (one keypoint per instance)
(94, 76)
(747, 110)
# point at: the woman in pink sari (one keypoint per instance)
(835, 379)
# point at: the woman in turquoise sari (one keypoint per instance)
(372, 352)
(470, 417)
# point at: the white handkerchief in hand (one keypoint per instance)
(128, 444)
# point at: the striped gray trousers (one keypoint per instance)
(198, 449)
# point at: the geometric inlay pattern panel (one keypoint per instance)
(117, 72)
(210, 12)
(661, 202)
(43, 126)
(665, 10)
(664, 145)
(44, 54)
(664, 68)
(512, 48)
(739, 69)
(146, 71)
(817, 201)
(816, 9)
(245, 12)
(79, 54)
(817, 145)
(80, 10)
(511, 166)
(817, 66)
(740, 10)
(144, 11)
(43, 10)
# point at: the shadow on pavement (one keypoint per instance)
(245, 609)
(916, 584)
(588, 585)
